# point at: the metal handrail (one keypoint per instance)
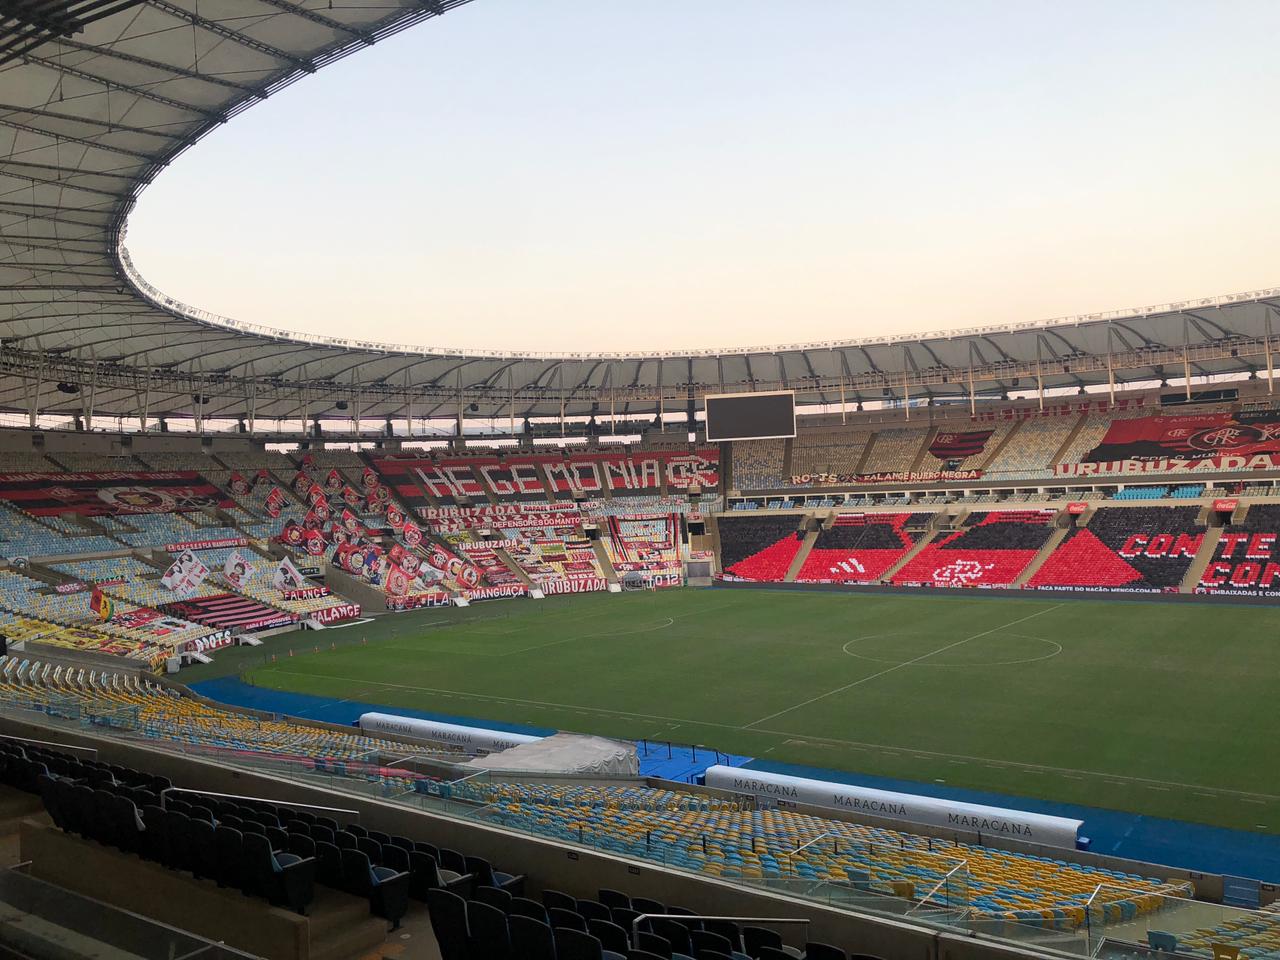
(51, 743)
(241, 796)
(938, 886)
(682, 917)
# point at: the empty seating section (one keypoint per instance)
(759, 548)
(1138, 549)
(648, 543)
(1030, 455)
(861, 547)
(1246, 560)
(167, 716)
(758, 464)
(135, 629)
(894, 450)
(951, 441)
(21, 535)
(553, 553)
(93, 463)
(830, 452)
(155, 529)
(683, 829)
(276, 851)
(990, 550)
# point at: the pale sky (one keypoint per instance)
(599, 175)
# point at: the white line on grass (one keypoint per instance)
(1114, 779)
(899, 666)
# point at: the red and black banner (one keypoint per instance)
(231, 611)
(959, 446)
(110, 494)
(1191, 437)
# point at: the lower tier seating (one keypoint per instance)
(683, 829)
(991, 550)
(759, 548)
(1246, 560)
(860, 547)
(1142, 549)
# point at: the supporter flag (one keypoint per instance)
(308, 461)
(185, 574)
(412, 533)
(262, 476)
(274, 503)
(395, 516)
(320, 507)
(469, 577)
(101, 604)
(438, 557)
(374, 505)
(287, 577)
(369, 478)
(381, 494)
(237, 570)
(313, 520)
(291, 533)
(351, 496)
(397, 581)
(350, 521)
(333, 482)
(239, 485)
(351, 558)
(958, 446)
(338, 534)
(313, 542)
(301, 483)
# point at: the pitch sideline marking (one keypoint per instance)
(997, 663)
(994, 764)
(899, 666)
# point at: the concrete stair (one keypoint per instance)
(1042, 555)
(802, 555)
(341, 928)
(1208, 547)
(910, 554)
(602, 557)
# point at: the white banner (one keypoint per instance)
(381, 724)
(237, 570)
(1032, 827)
(185, 574)
(583, 585)
(287, 577)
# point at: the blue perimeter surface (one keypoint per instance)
(680, 763)
(1174, 843)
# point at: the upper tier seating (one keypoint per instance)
(21, 535)
(861, 547)
(894, 450)
(828, 451)
(758, 464)
(95, 463)
(1030, 454)
(1125, 548)
(759, 548)
(977, 460)
(991, 550)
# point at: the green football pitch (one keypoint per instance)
(1168, 709)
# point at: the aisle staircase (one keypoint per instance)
(801, 556)
(1042, 555)
(1208, 547)
(910, 554)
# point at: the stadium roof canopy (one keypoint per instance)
(98, 96)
